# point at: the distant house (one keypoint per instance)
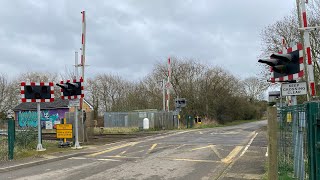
(86, 106)
(51, 113)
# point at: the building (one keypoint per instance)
(86, 106)
(51, 113)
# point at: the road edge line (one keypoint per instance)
(40, 162)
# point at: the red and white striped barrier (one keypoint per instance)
(168, 85)
(83, 38)
(308, 49)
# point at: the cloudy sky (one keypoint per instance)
(127, 37)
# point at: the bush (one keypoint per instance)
(26, 138)
(3, 149)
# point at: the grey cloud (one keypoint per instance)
(129, 37)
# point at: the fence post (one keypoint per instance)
(187, 121)
(11, 134)
(311, 110)
(272, 143)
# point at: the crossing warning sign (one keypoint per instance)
(64, 130)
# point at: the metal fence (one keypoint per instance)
(157, 119)
(85, 126)
(292, 142)
(3, 140)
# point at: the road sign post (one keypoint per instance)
(39, 146)
(77, 144)
(64, 131)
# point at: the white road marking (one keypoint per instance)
(80, 158)
(121, 153)
(248, 145)
(214, 149)
(196, 160)
(108, 160)
(123, 157)
(224, 133)
(179, 147)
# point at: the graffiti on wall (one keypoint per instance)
(30, 118)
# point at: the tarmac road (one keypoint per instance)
(234, 152)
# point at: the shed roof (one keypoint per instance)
(56, 104)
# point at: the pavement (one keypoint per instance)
(251, 164)
(234, 152)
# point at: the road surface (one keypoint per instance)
(216, 153)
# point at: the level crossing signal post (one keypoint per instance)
(37, 92)
(73, 90)
(288, 68)
(179, 103)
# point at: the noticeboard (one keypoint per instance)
(64, 130)
(64, 133)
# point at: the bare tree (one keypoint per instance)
(210, 91)
(255, 87)
(9, 95)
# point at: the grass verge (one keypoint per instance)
(50, 146)
(122, 130)
(115, 130)
(21, 152)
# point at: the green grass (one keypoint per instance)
(20, 152)
(239, 122)
(50, 146)
(122, 130)
(115, 130)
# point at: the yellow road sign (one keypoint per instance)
(64, 133)
(64, 126)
